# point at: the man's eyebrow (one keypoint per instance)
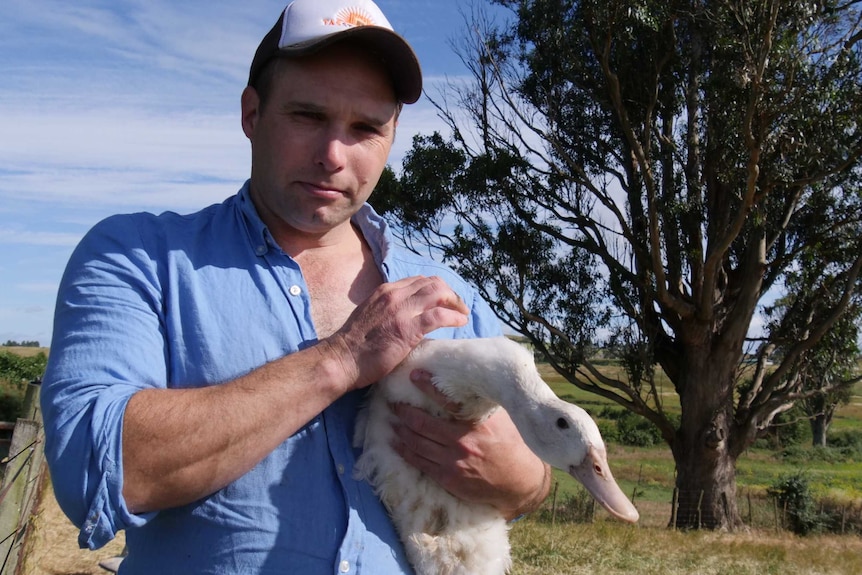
(311, 107)
(301, 106)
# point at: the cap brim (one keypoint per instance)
(393, 50)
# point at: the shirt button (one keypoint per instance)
(295, 290)
(260, 250)
(344, 567)
(340, 469)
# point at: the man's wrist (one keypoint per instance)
(534, 500)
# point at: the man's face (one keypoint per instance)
(321, 141)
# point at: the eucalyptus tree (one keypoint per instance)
(645, 173)
(819, 379)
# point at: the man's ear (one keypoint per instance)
(250, 110)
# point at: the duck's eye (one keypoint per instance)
(562, 423)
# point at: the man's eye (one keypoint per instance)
(367, 128)
(308, 116)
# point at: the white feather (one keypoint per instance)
(443, 535)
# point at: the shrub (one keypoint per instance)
(577, 507)
(793, 493)
(18, 370)
(15, 372)
(609, 412)
(609, 431)
(842, 446)
(848, 441)
(786, 430)
(11, 406)
(637, 431)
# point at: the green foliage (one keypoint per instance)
(612, 413)
(795, 497)
(636, 431)
(803, 513)
(17, 370)
(787, 429)
(25, 343)
(848, 442)
(11, 405)
(576, 506)
(805, 455)
(609, 431)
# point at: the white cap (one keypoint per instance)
(306, 26)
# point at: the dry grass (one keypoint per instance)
(610, 548)
(52, 546)
(25, 351)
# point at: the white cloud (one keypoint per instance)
(11, 236)
(121, 158)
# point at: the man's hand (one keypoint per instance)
(386, 327)
(485, 462)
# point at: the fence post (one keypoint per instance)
(13, 493)
(700, 510)
(775, 511)
(750, 517)
(635, 488)
(674, 507)
(31, 401)
(554, 503)
(20, 487)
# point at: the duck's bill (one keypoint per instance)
(595, 474)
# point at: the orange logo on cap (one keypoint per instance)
(350, 17)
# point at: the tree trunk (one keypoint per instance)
(703, 449)
(706, 489)
(819, 427)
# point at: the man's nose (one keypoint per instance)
(332, 152)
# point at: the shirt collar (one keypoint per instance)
(373, 227)
(258, 234)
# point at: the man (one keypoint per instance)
(206, 369)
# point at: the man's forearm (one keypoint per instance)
(183, 444)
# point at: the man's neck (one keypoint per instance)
(334, 243)
(339, 277)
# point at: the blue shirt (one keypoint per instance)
(183, 301)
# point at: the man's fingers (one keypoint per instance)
(422, 429)
(423, 380)
(440, 294)
(382, 330)
(440, 305)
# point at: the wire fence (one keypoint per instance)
(21, 472)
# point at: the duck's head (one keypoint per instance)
(567, 438)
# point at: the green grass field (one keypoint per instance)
(647, 473)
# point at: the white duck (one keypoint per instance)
(443, 535)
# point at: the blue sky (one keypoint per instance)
(110, 107)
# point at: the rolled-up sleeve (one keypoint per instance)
(108, 344)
